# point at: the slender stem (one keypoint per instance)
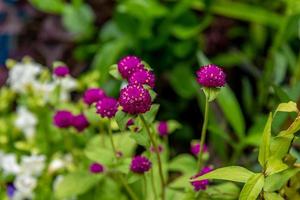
(145, 186)
(157, 154)
(203, 132)
(153, 185)
(125, 184)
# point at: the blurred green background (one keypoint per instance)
(256, 42)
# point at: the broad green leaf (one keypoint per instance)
(252, 187)
(133, 177)
(183, 163)
(275, 165)
(224, 191)
(151, 114)
(232, 173)
(272, 196)
(280, 146)
(182, 181)
(114, 72)
(276, 181)
(99, 154)
(75, 184)
(141, 138)
(232, 110)
(264, 148)
(173, 125)
(287, 107)
(294, 127)
(122, 118)
(49, 6)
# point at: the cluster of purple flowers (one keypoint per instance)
(201, 185)
(140, 164)
(195, 149)
(65, 119)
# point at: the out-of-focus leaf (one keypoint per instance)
(114, 72)
(280, 68)
(183, 163)
(287, 107)
(182, 181)
(252, 188)
(232, 173)
(141, 138)
(264, 148)
(122, 118)
(151, 114)
(272, 196)
(50, 6)
(225, 191)
(184, 32)
(232, 110)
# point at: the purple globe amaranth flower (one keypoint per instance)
(63, 119)
(96, 168)
(80, 122)
(143, 76)
(162, 128)
(61, 71)
(211, 76)
(93, 95)
(107, 107)
(195, 148)
(201, 185)
(128, 65)
(135, 99)
(140, 164)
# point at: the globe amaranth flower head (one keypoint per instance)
(63, 119)
(107, 107)
(211, 76)
(140, 164)
(128, 65)
(201, 185)
(93, 95)
(61, 71)
(162, 128)
(143, 76)
(135, 99)
(195, 148)
(80, 122)
(96, 168)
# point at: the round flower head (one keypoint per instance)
(162, 128)
(96, 168)
(135, 99)
(201, 185)
(143, 76)
(128, 65)
(107, 107)
(93, 95)
(63, 119)
(211, 76)
(61, 71)
(80, 122)
(140, 164)
(195, 148)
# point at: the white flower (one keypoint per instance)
(33, 165)
(23, 75)
(25, 184)
(9, 164)
(21, 196)
(26, 121)
(67, 85)
(44, 90)
(56, 164)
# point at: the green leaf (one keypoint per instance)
(232, 111)
(232, 173)
(225, 191)
(50, 6)
(275, 165)
(276, 181)
(114, 72)
(182, 181)
(122, 118)
(141, 138)
(75, 184)
(287, 107)
(133, 177)
(151, 114)
(252, 188)
(183, 163)
(173, 125)
(272, 196)
(293, 128)
(264, 148)
(211, 93)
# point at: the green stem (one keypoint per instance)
(153, 185)
(145, 186)
(125, 184)
(157, 154)
(203, 132)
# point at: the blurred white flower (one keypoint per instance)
(60, 163)
(25, 184)
(45, 90)
(67, 85)
(9, 164)
(23, 75)
(33, 165)
(21, 196)
(26, 121)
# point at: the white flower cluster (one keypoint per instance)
(25, 75)
(26, 173)
(26, 121)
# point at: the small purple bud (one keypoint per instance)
(61, 71)
(107, 107)
(80, 122)
(195, 148)
(162, 128)
(93, 95)
(201, 185)
(159, 149)
(140, 164)
(211, 76)
(63, 119)
(96, 168)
